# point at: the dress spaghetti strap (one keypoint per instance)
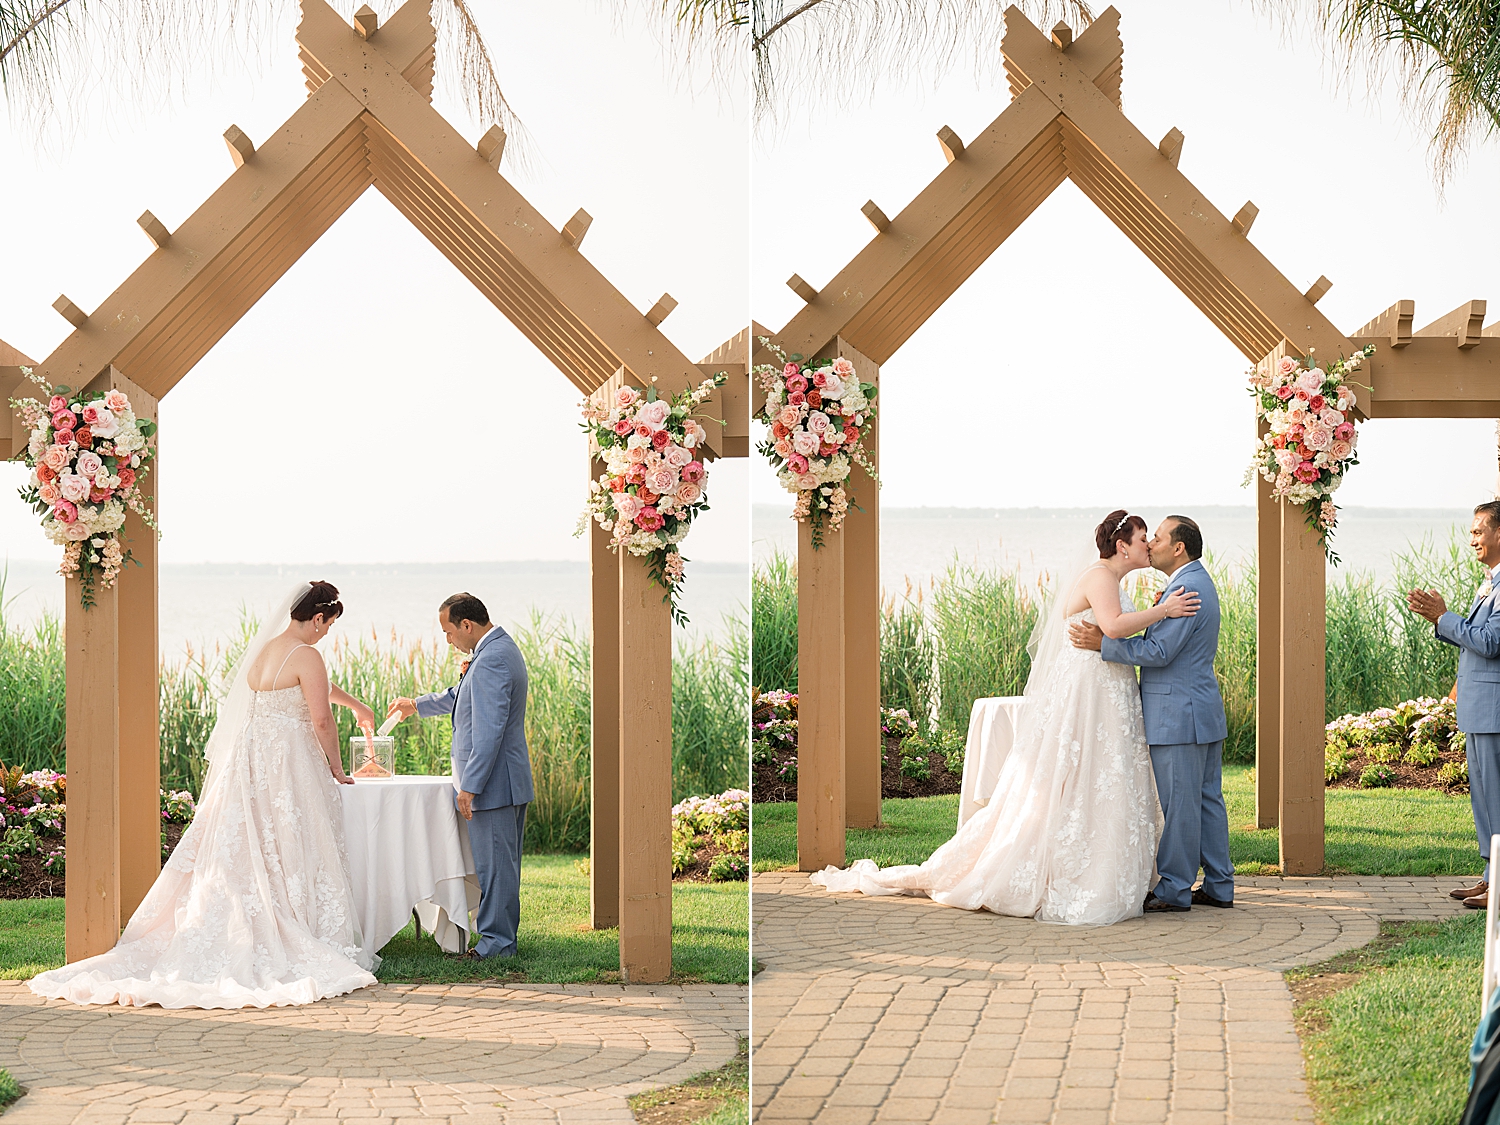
(284, 659)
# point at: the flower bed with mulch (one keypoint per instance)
(711, 838)
(1414, 745)
(912, 764)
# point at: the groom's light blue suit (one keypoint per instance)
(1185, 731)
(1478, 639)
(490, 760)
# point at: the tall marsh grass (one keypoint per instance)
(964, 637)
(710, 694)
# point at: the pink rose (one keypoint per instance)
(649, 519)
(99, 495)
(797, 383)
(796, 398)
(89, 464)
(1283, 393)
(694, 471)
(843, 368)
(49, 494)
(1287, 459)
(660, 440)
(74, 487)
(90, 414)
(689, 493)
(789, 416)
(63, 437)
(628, 505)
(1310, 381)
(797, 463)
(677, 456)
(1340, 450)
(789, 370)
(654, 414)
(817, 422)
(57, 403)
(1306, 472)
(1331, 418)
(64, 419)
(661, 479)
(625, 397)
(1286, 365)
(805, 442)
(1317, 437)
(76, 531)
(63, 512)
(1343, 431)
(115, 402)
(623, 427)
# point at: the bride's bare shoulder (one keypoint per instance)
(1089, 585)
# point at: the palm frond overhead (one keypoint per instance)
(53, 50)
(1444, 56)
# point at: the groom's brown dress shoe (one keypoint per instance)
(1462, 893)
(1155, 905)
(1203, 898)
(1478, 902)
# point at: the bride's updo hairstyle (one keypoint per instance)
(1117, 527)
(322, 598)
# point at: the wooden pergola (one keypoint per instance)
(368, 121)
(1065, 122)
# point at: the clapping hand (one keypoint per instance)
(1427, 603)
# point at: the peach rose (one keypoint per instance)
(689, 493)
(56, 458)
(661, 479)
(783, 448)
(789, 416)
(1340, 450)
(843, 368)
(49, 494)
(115, 401)
(1286, 365)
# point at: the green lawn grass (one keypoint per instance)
(709, 935)
(1393, 1047)
(1369, 832)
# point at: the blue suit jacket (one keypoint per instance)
(1179, 692)
(488, 708)
(1478, 639)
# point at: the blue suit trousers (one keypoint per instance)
(495, 839)
(1190, 786)
(1483, 753)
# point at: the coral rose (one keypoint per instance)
(778, 431)
(45, 472)
(796, 398)
(1306, 472)
(693, 471)
(796, 383)
(660, 440)
(127, 477)
(63, 437)
(1316, 403)
(649, 519)
(1283, 393)
(814, 399)
(64, 512)
(797, 463)
(84, 436)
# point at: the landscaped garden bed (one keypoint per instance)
(1414, 745)
(913, 764)
(711, 838)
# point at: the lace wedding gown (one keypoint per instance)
(1070, 834)
(254, 908)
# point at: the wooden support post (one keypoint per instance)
(1303, 655)
(645, 735)
(820, 700)
(140, 722)
(1267, 655)
(861, 535)
(604, 776)
(92, 923)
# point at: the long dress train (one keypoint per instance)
(1071, 833)
(254, 908)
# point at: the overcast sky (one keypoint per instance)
(371, 399)
(1068, 371)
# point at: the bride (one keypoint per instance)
(254, 908)
(1071, 832)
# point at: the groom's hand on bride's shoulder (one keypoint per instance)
(1085, 634)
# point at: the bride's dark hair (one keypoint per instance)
(1118, 526)
(322, 598)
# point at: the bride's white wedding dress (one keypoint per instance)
(1070, 834)
(254, 908)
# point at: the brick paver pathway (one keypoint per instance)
(463, 1054)
(898, 1009)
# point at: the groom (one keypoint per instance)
(1185, 725)
(491, 766)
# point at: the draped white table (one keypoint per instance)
(409, 850)
(992, 730)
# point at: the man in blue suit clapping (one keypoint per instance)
(491, 766)
(1185, 726)
(1478, 639)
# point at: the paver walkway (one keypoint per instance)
(463, 1054)
(898, 1009)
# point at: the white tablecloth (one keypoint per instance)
(409, 849)
(992, 729)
